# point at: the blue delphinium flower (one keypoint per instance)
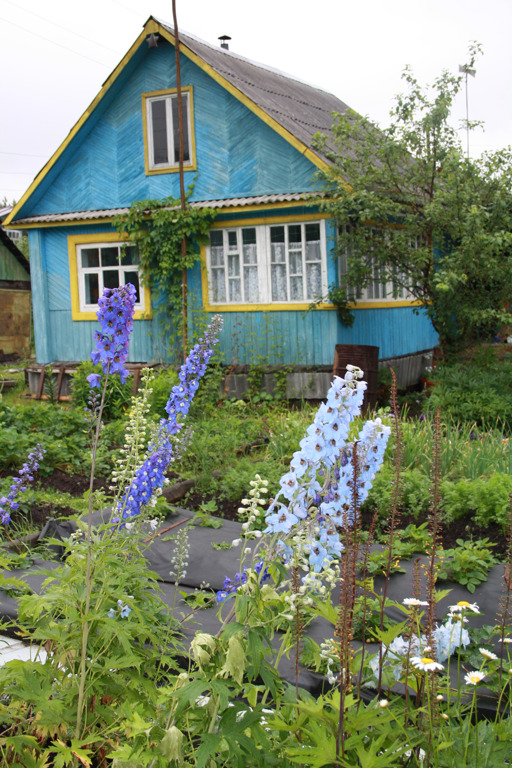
(230, 586)
(94, 380)
(124, 610)
(319, 487)
(150, 476)
(448, 637)
(26, 474)
(115, 314)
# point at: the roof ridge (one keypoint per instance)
(234, 55)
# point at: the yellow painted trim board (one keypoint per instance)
(254, 222)
(107, 237)
(170, 168)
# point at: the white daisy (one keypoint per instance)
(488, 654)
(425, 664)
(413, 602)
(383, 703)
(473, 678)
(463, 605)
(506, 640)
(458, 617)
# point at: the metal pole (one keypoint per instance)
(184, 287)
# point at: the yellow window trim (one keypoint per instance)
(253, 222)
(170, 168)
(263, 220)
(105, 237)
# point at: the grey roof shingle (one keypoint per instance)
(300, 108)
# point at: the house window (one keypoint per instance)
(106, 265)
(162, 130)
(272, 264)
(377, 288)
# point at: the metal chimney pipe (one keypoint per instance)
(224, 42)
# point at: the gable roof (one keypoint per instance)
(301, 109)
(296, 110)
(10, 244)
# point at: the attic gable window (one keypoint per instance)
(281, 264)
(161, 130)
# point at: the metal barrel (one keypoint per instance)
(365, 357)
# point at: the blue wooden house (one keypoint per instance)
(249, 153)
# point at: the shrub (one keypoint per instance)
(117, 396)
(415, 491)
(478, 390)
(161, 385)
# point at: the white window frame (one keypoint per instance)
(168, 98)
(264, 264)
(384, 289)
(99, 270)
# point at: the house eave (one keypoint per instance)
(106, 215)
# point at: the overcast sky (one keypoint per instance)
(55, 56)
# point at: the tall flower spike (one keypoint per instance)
(318, 490)
(26, 474)
(115, 314)
(150, 476)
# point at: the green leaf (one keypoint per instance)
(234, 665)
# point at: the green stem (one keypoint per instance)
(88, 581)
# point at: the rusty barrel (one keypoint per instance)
(365, 357)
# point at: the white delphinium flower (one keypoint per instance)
(136, 436)
(179, 557)
(252, 511)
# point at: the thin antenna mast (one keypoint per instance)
(466, 70)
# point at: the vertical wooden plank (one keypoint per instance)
(38, 269)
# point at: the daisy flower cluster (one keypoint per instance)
(447, 638)
(319, 491)
(26, 474)
(149, 478)
(115, 314)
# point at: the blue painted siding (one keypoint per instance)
(297, 338)
(237, 153)
(287, 337)
(74, 341)
(57, 336)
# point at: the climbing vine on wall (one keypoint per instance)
(157, 228)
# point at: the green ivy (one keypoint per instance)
(158, 228)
